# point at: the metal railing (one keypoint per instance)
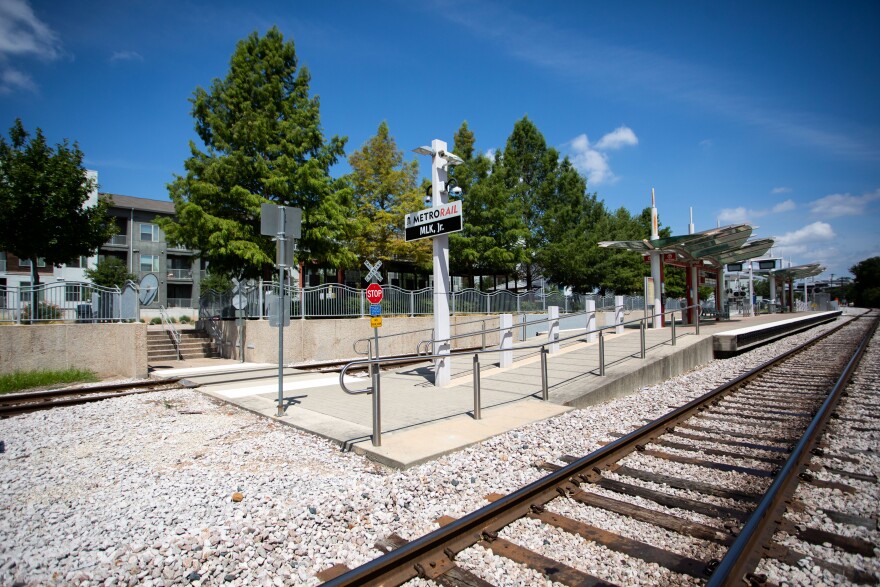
(179, 302)
(168, 326)
(341, 301)
(180, 274)
(118, 239)
(374, 364)
(63, 301)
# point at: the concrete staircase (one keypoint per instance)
(194, 344)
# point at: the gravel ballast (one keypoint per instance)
(145, 489)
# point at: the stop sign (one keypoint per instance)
(374, 293)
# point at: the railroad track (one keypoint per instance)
(13, 404)
(729, 473)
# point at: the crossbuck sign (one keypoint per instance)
(374, 271)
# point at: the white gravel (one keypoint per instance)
(139, 491)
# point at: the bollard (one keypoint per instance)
(545, 391)
(673, 330)
(601, 353)
(642, 336)
(477, 414)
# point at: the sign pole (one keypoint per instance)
(442, 367)
(281, 315)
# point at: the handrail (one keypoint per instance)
(379, 360)
(172, 331)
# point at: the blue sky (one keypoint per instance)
(748, 111)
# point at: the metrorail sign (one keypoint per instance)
(433, 221)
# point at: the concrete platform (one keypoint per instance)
(420, 422)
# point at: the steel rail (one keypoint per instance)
(746, 552)
(436, 549)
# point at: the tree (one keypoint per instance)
(384, 190)
(43, 197)
(491, 231)
(263, 144)
(866, 287)
(110, 272)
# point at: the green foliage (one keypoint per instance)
(216, 281)
(263, 143)
(45, 311)
(487, 243)
(42, 193)
(185, 319)
(384, 190)
(156, 320)
(865, 290)
(20, 380)
(110, 272)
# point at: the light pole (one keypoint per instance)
(441, 160)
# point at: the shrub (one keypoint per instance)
(185, 319)
(156, 320)
(45, 311)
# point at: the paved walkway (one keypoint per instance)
(420, 422)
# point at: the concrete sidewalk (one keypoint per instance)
(420, 422)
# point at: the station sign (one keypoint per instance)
(433, 221)
(668, 259)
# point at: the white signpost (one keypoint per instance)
(285, 224)
(441, 217)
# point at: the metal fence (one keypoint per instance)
(340, 301)
(65, 302)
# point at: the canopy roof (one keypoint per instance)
(798, 271)
(716, 246)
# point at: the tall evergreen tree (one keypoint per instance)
(528, 168)
(385, 190)
(43, 192)
(263, 143)
(492, 229)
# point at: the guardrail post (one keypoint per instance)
(553, 330)
(506, 325)
(673, 329)
(477, 414)
(452, 299)
(601, 353)
(523, 334)
(642, 336)
(483, 334)
(545, 391)
(590, 310)
(363, 297)
(302, 301)
(697, 321)
(618, 314)
(412, 304)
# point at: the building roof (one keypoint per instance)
(147, 205)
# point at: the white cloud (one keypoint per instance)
(126, 56)
(490, 153)
(22, 34)
(835, 205)
(780, 190)
(621, 136)
(592, 160)
(740, 215)
(810, 234)
(11, 79)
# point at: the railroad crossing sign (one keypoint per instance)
(374, 293)
(374, 271)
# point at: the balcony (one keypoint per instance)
(179, 302)
(180, 274)
(117, 240)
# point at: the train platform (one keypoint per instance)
(420, 422)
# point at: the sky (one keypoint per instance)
(759, 112)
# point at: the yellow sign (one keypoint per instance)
(376, 322)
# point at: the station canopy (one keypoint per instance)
(715, 247)
(798, 271)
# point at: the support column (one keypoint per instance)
(618, 314)
(553, 330)
(590, 307)
(506, 325)
(442, 367)
(772, 279)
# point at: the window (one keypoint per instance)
(149, 232)
(149, 262)
(79, 262)
(27, 262)
(24, 292)
(72, 293)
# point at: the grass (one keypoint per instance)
(20, 380)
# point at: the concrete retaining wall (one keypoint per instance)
(110, 350)
(326, 340)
